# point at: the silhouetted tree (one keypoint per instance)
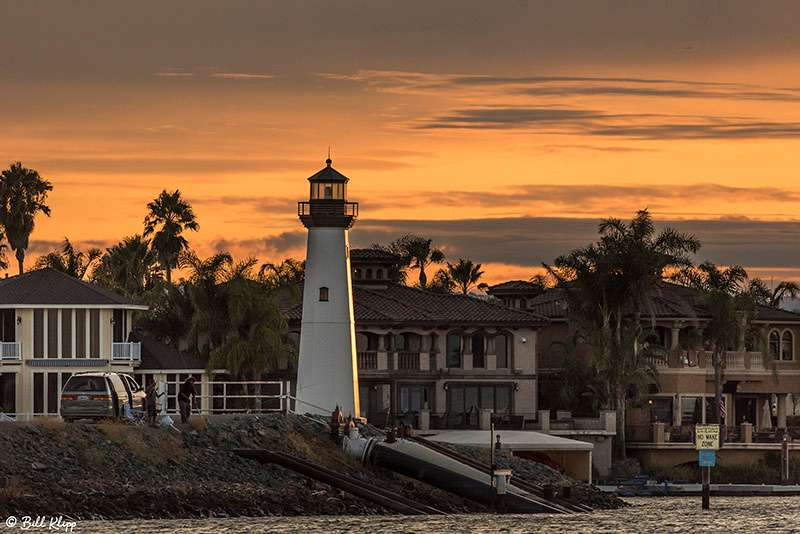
(127, 266)
(22, 195)
(465, 275)
(3, 247)
(772, 297)
(68, 260)
(166, 221)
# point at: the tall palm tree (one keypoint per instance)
(725, 298)
(127, 266)
(68, 260)
(166, 221)
(607, 284)
(22, 195)
(204, 290)
(465, 275)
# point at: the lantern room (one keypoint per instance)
(328, 184)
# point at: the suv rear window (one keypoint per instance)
(85, 383)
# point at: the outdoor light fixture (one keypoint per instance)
(19, 320)
(524, 340)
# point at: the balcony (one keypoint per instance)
(10, 351)
(126, 352)
(367, 360)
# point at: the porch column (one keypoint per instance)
(674, 338)
(781, 410)
(383, 364)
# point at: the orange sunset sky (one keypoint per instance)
(504, 130)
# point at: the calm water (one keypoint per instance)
(729, 515)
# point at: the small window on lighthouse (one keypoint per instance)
(328, 192)
(323, 294)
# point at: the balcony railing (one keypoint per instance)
(10, 350)
(659, 361)
(126, 352)
(328, 207)
(367, 360)
(408, 360)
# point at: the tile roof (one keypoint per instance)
(673, 301)
(372, 254)
(398, 304)
(157, 355)
(50, 287)
(516, 285)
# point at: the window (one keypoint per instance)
(379, 274)
(414, 398)
(38, 334)
(501, 349)
(787, 346)
(369, 274)
(328, 192)
(691, 410)
(401, 342)
(362, 342)
(80, 333)
(494, 397)
(775, 345)
(453, 350)
(66, 333)
(478, 352)
(660, 409)
(323, 294)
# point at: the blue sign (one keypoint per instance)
(707, 458)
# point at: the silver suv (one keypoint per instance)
(98, 395)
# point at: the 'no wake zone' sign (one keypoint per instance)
(706, 437)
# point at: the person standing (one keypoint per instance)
(186, 396)
(151, 394)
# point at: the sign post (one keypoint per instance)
(706, 442)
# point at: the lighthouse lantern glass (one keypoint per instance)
(328, 191)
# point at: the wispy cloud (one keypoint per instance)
(173, 74)
(241, 76)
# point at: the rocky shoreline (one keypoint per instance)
(118, 471)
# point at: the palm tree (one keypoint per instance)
(281, 275)
(22, 195)
(254, 329)
(465, 275)
(204, 291)
(169, 216)
(608, 282)
(729, 304)
(127, 266)
(773, 297)
(68, 260)
(417, 253)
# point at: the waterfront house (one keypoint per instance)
(54, 325)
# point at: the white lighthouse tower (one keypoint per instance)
(327, 374)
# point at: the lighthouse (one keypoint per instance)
(327, 375)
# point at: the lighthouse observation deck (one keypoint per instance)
(327, 213)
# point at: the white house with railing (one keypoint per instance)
(53, 325)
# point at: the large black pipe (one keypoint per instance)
(343, 482)
(518, 482)
(445, 479)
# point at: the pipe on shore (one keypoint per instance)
(374, 494)
(517, 482)
(418, 462)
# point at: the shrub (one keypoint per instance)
(678, 472)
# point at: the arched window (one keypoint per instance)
(501, 349)
(478, 351)
(401, 342)
(787, 346)
(775, 345)
(453, 350)
(379, 274)
(369, 274)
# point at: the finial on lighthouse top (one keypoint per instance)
(328, 161)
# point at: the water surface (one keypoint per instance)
(729, 515)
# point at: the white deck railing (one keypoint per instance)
(10, 350)
(126, 352)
